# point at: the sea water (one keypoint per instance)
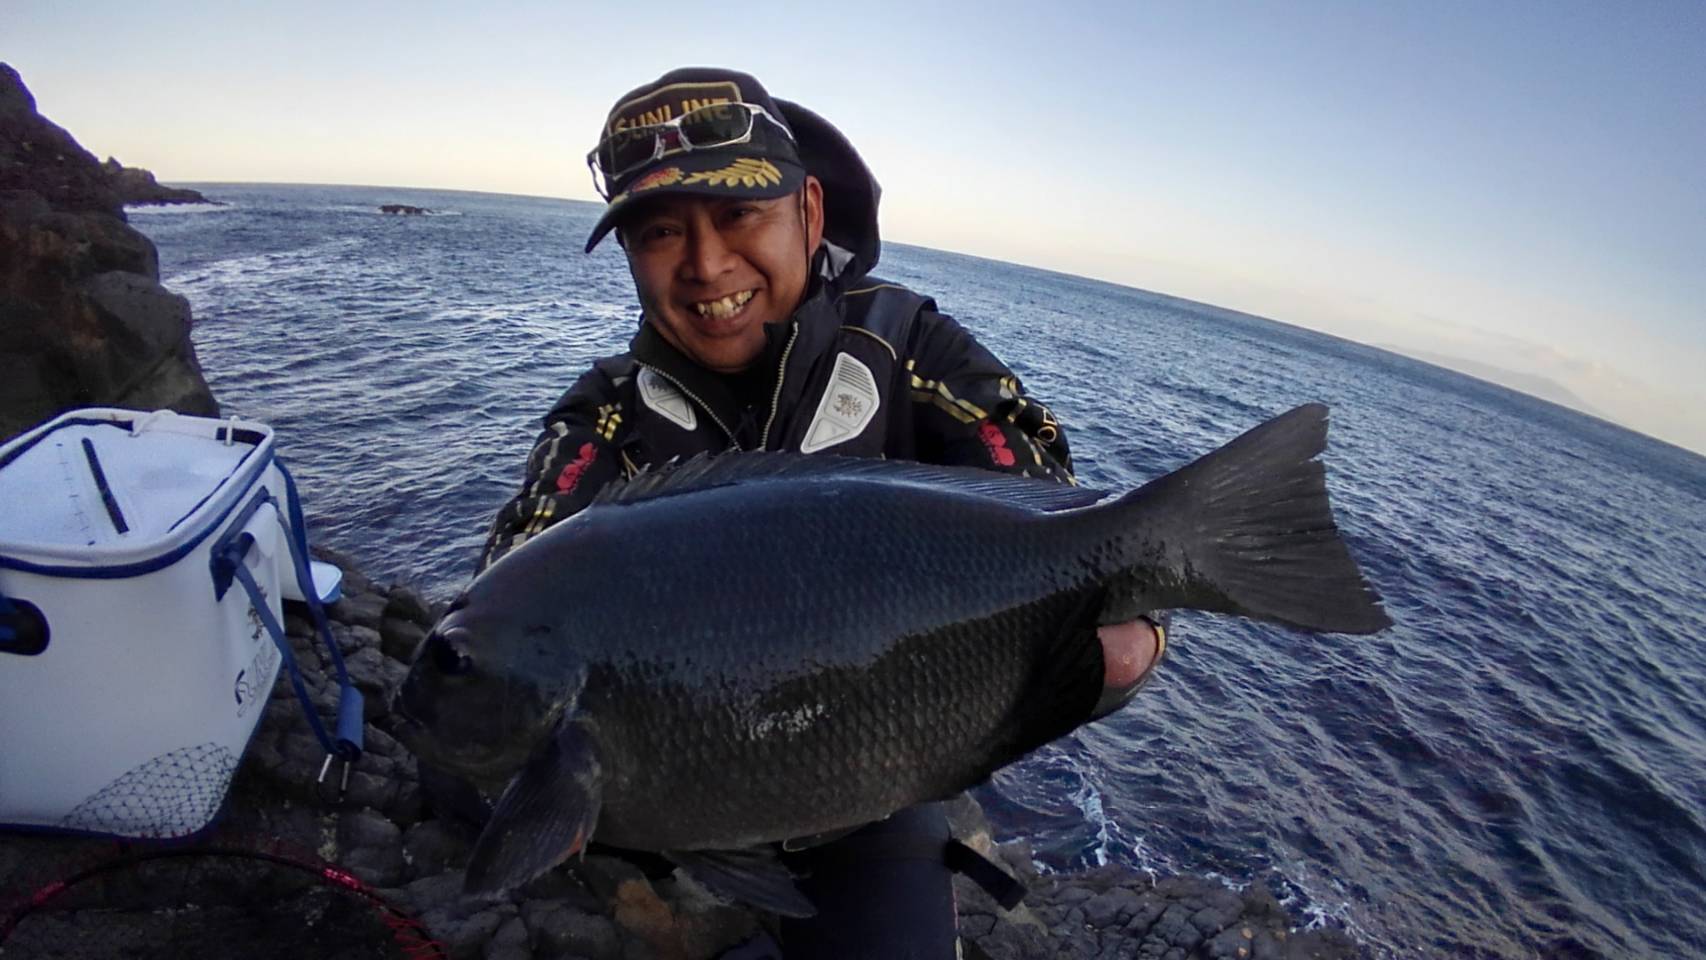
(1517, 769)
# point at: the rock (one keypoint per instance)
(643, 914)
(400, 637)
(366, 828)
(559, 930)
(605, 908)
(377, 677)
(1075, 895)
(361, 637)
(380, 743)
(438, 893)
(1111, 908)
(297, 621)
(604, 875)
(430, 847)
(134, 185)
(42, 158)
(354, 582)
(87, 322)
(704, 925)
(1019, 859)
(510, 942)
(375, 866)
(405, 604)
(466, 939)
(359, 609)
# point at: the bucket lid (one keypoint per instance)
(113, 486)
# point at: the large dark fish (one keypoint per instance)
(756, 647)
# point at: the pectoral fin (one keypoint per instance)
(752, 876)
(546, 814)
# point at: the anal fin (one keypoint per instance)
(546, 814)
(754, 876)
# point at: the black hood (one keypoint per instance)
(850, 193)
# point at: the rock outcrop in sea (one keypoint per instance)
(137, 187)
(84, 320)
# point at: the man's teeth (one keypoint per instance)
(724, 308)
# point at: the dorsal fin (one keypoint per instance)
(704, 471)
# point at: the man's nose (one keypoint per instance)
(708, 255)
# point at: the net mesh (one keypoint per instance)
(204, 901)
(172, 795)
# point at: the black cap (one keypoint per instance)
(766, 166)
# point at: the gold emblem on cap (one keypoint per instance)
(657, 178)
(747, 171)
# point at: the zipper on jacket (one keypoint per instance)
(776, 397)
(702, 404)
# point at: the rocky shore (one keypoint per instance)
(86, 322)
(385, 833)
(136, 186)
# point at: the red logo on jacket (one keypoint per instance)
(570, 478)
(996, 442)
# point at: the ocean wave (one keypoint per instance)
(1513, 770)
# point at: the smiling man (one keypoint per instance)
(750, 228)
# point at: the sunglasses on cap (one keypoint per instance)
(708, 127)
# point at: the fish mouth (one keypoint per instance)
(472, 761)
(472, 749)
(723, 308)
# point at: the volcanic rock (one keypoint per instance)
(136, 186)
(598, 906)
(84, 320)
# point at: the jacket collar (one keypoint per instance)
(799, 342)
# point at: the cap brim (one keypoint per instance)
(713, 173)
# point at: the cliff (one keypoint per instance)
(134, 185)
(84, 320)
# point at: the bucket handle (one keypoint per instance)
(146, 421)
(227, 565)
(23, 629)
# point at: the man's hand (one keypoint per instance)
(1129, 650)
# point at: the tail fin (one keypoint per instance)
(1248, 530)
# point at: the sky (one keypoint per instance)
(1517, 184)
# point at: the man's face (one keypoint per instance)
(712, 272)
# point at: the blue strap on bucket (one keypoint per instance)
(227, 564)
(7, 634)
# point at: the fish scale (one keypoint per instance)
(753, 648)
(939, 691)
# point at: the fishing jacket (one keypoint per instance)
(863, 368)
(870, 371)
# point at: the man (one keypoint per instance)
(749, 225)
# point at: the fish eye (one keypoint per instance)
(449, 653)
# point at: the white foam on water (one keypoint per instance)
(1333, 910)
(1111, 836)
(158, 209)
(1088, 800)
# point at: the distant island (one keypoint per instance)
(137, 187)
(1532, 384)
